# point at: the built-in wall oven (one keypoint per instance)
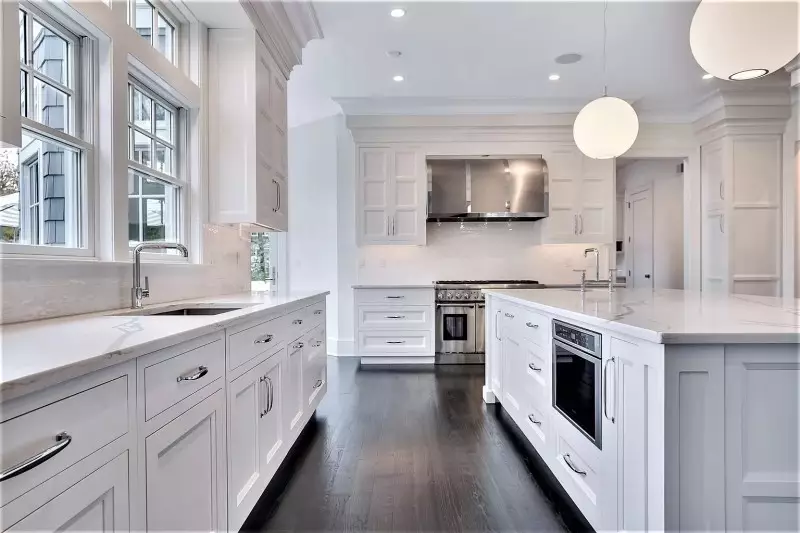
(457, 325)
(577, 378)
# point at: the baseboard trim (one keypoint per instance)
(271, 497)
(562, 503)
(488, 395)
(342, 347)
(397, 360)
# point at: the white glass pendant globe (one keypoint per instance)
(744, 39)
(606, 128)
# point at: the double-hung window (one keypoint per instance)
(155, 184)
(153, 24)
(43, 201)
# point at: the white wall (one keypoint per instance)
(313, 211)
(666, 186)
(45, 288)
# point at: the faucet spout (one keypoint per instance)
(138, 293)
(596, 253)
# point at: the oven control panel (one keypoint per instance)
(587, 340)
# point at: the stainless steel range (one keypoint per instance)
(460, 326)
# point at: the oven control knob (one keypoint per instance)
(440, 295)
(449, 295)
(459, 295)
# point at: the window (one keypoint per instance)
(42, 184)
(154, 184)
(153, 25)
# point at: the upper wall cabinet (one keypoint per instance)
(391, 195)
(248, 153)
(582, 198)
(10, 132)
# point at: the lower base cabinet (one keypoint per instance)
(185, 465)
(97, 503)
(293, 407)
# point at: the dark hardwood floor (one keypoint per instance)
(408, 450)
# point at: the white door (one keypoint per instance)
(374, 201)
(247, 400)
(271, 424)
(185, 470)
(409, 195)
(98, 502)
(641, 240)
(292, 394)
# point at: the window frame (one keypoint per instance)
(158, 8)
(81, 76)
(178, 164)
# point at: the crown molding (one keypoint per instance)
(285, 29)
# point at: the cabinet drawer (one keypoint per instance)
(296, 324)
(315, 378)
(579, 479)
(538, 368)
(535, 327)
(89, 420)
(168, 381)
(395, 317)
(315, 344)
(314, 314)
(395, 296)
(395, 342)
(537, 425)
(246, 344)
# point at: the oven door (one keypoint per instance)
(455, 328)
(577, 389)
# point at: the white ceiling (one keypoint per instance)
(498, 51)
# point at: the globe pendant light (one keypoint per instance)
(606, 127)
(744, 39)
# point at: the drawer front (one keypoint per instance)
(395, 342)
(90, 420)
(296, 324)
(538, 369)
(535, 327)
(395, 296)
(537, 426)
(315, 314)
(245, 345)
(171, 380)
(315, 378)
(315, 343)
(395, 317)
(578, 477)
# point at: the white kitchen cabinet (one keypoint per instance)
(99, 502)
(185, 470)
(514, 363)
(493, 390)
(293, 397)
(582, 198)
(392, 195)
(10, 127)
(248, 130)
(255, 432)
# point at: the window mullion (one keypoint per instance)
(154, 33)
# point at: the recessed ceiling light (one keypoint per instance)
(568, 59)
(394, 53)
(707, 76)
(398, 78)
(397, 12)
(554, 77)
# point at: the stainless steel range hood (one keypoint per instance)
(489, 188)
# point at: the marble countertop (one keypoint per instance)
(671, 316)
(396, 286)
(42, 353)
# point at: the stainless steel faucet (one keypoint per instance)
(586, 253)
(137, 291)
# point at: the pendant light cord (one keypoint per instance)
(605, 38)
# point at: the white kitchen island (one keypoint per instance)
(697, 400)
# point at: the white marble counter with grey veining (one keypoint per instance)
(398, 286)
(670, 316)
(42, 353)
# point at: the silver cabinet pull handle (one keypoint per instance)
(318, 312)
(297, 322)
(533, 419)
(575, 224)
(605, 388)
(298, 345)
(263, 340)
(722, 223)
(395, 342)
(395, 297)
(317, 344)
(395, 316)
(194, 376)
(62, 441)
(277, 196)
(534, 367)
(721, 190)
(572, 466)
(271, 395)
(580, 217)
(509, 315)
(318, 384)
(263, 412)
(530, 325)
(496, 329)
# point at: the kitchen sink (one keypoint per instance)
(179, 311)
